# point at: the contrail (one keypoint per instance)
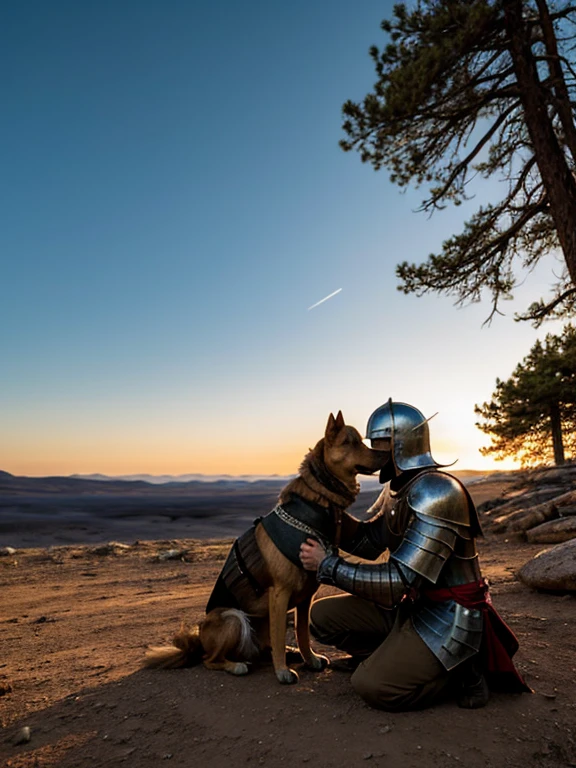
(324, 299)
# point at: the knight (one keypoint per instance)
(418, 624)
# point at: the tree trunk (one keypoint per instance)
(557, 75)
(554, 170)
(556, 424)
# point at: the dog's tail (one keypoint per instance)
(224, 633)
(236, 632)
(186, 651)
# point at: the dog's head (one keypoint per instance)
(345, 455)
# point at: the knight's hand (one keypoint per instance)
(311, 554)
(380, 505)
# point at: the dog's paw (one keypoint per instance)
(238, 668)
(287, 676)
(317, 662)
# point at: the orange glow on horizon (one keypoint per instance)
(213, 460)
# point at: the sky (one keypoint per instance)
(174, 200)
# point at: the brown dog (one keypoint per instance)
(263, 578)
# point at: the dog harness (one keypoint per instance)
(288, 525)
(291, 523)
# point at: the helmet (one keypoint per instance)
(407, 429)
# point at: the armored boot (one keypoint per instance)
(472, 688)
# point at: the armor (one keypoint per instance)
(245, 573)
(431, 533)
(292, 522)
(381, 584)
(407, 429)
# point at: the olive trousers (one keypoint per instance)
(400, 672)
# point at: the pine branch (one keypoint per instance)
(539, 311)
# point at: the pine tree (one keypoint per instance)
(480, 87)
(532, 415)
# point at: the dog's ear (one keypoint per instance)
(334, 426)
(330, 427)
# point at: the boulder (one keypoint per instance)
(554, 531)
(524, 519)
(553, 570)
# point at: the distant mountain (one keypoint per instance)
(153, 486)
(191, 478)
(197, 485)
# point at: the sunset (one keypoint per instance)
(160, 259)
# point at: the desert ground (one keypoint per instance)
(76, 618)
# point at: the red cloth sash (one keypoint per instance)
(499, 643)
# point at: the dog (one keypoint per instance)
(263, 577)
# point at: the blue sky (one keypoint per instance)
(174, 199)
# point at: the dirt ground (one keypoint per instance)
(74, 626)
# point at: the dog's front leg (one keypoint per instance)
(311, 659)
(278, 602)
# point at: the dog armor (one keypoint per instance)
(288, 525)
(243, 575)
(430, 532)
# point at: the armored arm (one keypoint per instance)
(438, 514)
(420, 557)
(380, 583)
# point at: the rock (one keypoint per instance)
(563, 474)
(554, 531)
(172, 554)
(7, 551)
(553, 570)
(109, 549)
(101, 549)
(23, 736)
(5, 688)
(524, 519)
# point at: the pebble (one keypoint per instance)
(172, 554)
(23, 736)
(5, 688)
(7, 551)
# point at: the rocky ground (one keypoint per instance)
(75, 622)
